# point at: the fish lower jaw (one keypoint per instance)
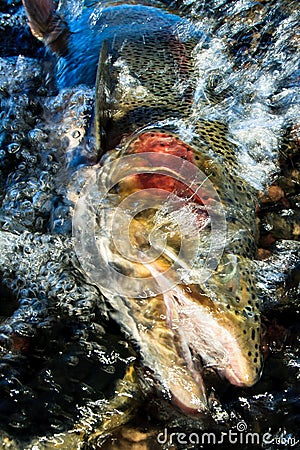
(191, 406)
(187, 393)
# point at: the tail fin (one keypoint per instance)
(47, 25)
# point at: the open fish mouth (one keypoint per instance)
(206, 339)
(150, 231)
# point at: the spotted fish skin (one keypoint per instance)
(145, 83)
(234, 281)
(124, 27)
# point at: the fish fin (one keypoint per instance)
(103, 89)
(46, 24)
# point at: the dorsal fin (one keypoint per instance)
(47, 25)
(103, 91)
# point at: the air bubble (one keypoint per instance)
(76, 134)
(13, 147)
(36, 135)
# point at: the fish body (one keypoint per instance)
(144, 109)
(77, 43)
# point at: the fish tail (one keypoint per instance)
(47, 25)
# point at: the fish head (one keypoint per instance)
(219, 319)
(181, 321)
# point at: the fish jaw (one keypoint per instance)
(213, 334)
(144, 320)
(184, 386)
(188, 395)
(208, 330)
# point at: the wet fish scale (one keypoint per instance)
(149, 78)
(145, 82)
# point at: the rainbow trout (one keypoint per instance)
(165, 225)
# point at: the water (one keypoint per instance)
(62, 358)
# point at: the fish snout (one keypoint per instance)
(242, 373)
(244, 358)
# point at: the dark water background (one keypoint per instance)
(61, 356)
